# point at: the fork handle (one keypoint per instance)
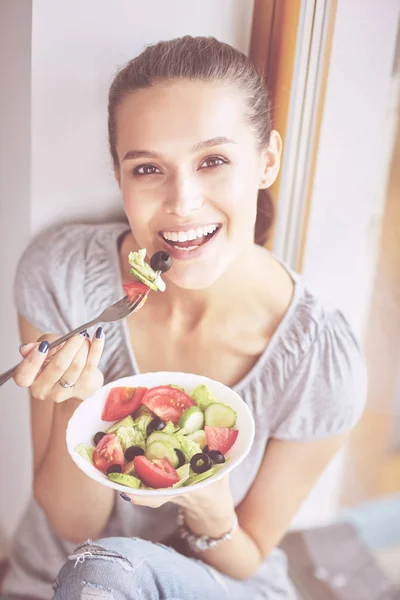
(8, 374)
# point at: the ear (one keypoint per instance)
(271, 160)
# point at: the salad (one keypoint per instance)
(148, 275)
(162, 437)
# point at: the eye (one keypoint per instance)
(146, 169)
(213, 161)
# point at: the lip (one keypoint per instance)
(177, 254)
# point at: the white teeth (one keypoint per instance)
(186, 249)
(192, 234)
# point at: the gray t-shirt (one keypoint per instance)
(309, 383)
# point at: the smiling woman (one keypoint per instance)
(192, 148)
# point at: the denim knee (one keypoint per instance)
(109, 569)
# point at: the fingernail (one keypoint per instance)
(84, 333)
(21, 346)
(87, 335)
(124, 496)
(44, 346)
(99, 333)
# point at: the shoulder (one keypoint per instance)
(323, 382)
(57, 272)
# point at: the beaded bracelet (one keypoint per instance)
(203, 542)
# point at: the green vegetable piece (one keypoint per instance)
(126, 422)
(170, 428)
(199, 437)
(183, 474)
(200, 476)
(188, 447)
(220, 415)
(192, 419)
(129, 436)
(203, 396)
(123, 479)
(85, 451)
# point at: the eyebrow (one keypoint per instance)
(217, 141)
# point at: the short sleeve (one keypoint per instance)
(48, 283)
(325, 394)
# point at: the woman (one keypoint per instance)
(193, 153)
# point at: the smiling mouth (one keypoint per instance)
(191, 239)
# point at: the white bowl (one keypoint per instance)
(86, 421)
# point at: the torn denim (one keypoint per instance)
(131, 568)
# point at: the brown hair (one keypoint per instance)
(203, 59)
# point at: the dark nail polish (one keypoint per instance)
(99, 333)
(84, 333)
(125, 497)
(44, 346)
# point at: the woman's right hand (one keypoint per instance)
(76, 362)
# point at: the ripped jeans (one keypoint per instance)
(134, 569)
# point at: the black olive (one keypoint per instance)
(181, 458)
(155, 425)
(161, 261)
(133, 451)
(216, 456)
(200, 462)
(99, 435)
(114, 469)
(205, 450)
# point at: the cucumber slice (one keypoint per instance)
(161, 450)
(192, 419)
(165, 438)
(200, 477)
(125, 479)
(199, 437)
(126, 422)
(143, 279)
(220, 415)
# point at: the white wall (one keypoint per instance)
(76, 48)
(15, 155)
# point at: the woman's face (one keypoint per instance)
(189, 172)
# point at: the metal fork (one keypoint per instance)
(121, 309)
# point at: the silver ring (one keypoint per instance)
(65, 384)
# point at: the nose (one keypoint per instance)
(184, 195)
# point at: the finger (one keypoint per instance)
(95, 352)
(28, 368)
(149, 502)
(71, 375)
(24, 349)
(60, 362)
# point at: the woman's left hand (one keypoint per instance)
(199, 502)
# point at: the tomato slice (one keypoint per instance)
(220, 438)
(121, 402)
(108, 452)
(167, 402)
(157, 473)
(133, 289)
